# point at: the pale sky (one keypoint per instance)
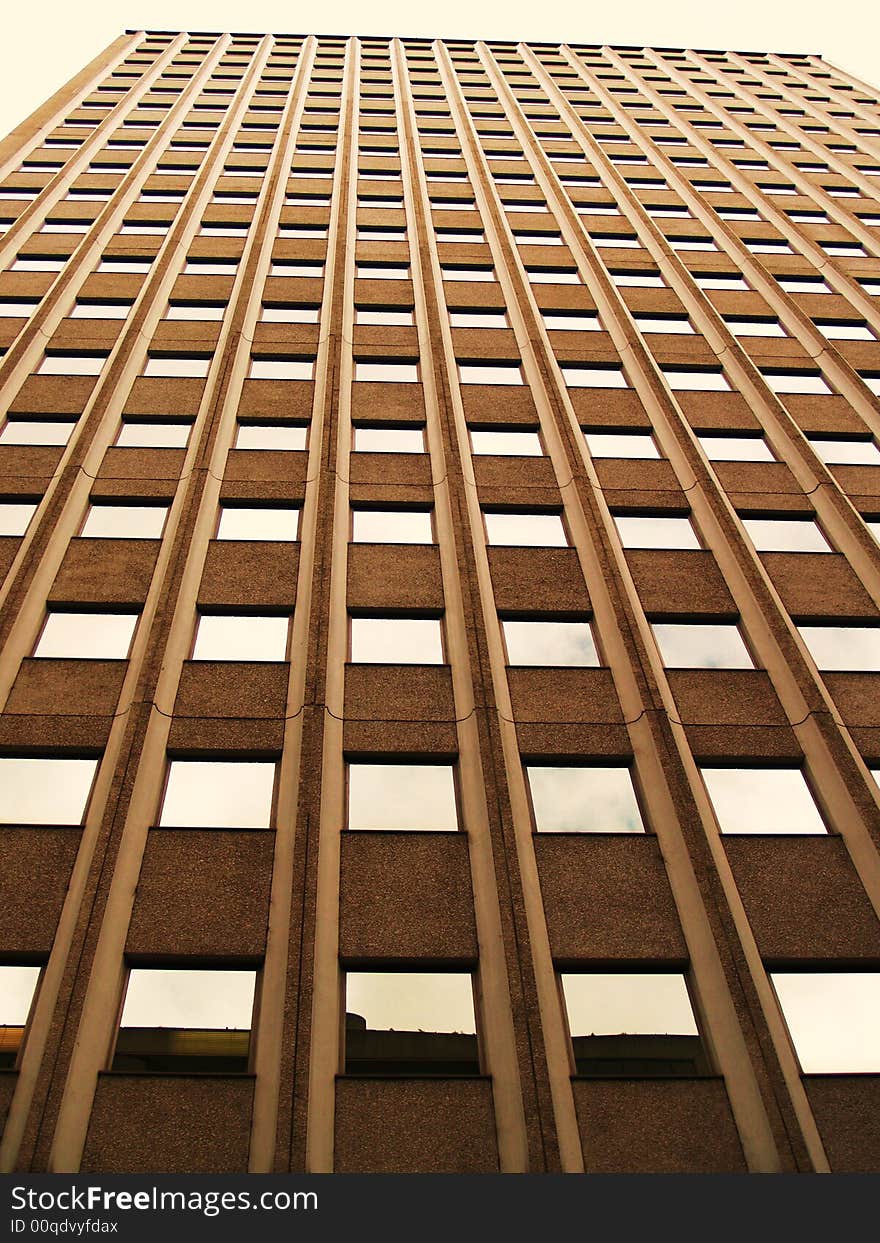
(61, 37)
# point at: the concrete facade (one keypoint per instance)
(671, 169)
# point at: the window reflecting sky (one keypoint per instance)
(258, 523)
(223, 637)
(843, 648)
(612, 1004)
(44, 791)
(401, 796)
(17, 986)
(583, 800)
(397, 640)
(87, 636)
(219, 794)
(526, 530)
(697, 646)
(550, 643)
(833, 1019)
(184, 998)
(429, 1001)
(762, 800)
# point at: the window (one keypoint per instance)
(719, 280)
(795, 381)
(43, 790)
(735, 448)
(136, 435)
(287, 436)
(655, 532)
(526, 530)
(212, 1007)
(218, 794)
(506, 443)
(762, 800)
(17, 987)
(124, 521)
(100, 310)
(754, 327)
(621, 444)
(845, 452)
(785, 535)
(410, 1023)
(15, 516)
(553, 276)
(87, 636)
(843, 648)
(196, 310)
(696, 379)
(246, 637)
(844, 329)
(386, 372)
(402, 797)
(802, 284)
(632, 1025)
(389, 440)
(380, 272)
(451, 273)
(550, 643)
(571, 321)
(478, 319)
(169, 366)
(36, 432)
(396, 640)
(639, 280)
(589, 799)
(281, 368)
(594, 376)
(392, 526)
(833, 1019)
(274, 523)
(281, 267)
(389, 316)
(664, 323)
(696, 645)
(72, 364)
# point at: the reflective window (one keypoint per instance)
(410, 1023)
(795, 382)
(656, 532)
(173, 367)
(245, 637)
(478, 319)
(735, 448)
(550, 643)
(754, 327)
(843, 648)
(506, 443)
(72, 364)
(621, 444)
(632, 1024)
(271, 436)
(833, 1019)
(490, 373)
(15, 516)
(281, 368)
(290, 313)
(389, 440)
(594, 377)
(839, 452)
(36, 432)
(698, 380)
(384, 315)
(696, 645)
(785, 535)
(589, 799)
(844, 329)
(388, 373)
(205, 311)
(762, 800)
(392, 526)
(402, 797)
(532, 530)
(124, 522)
(43, 790)
(571, 321)
(134, 435)
(100, 310)
(664, 323)
(264, 522)
(189, 1021)
(396, 640)
(218, 794)
(17, 987)
(87, 636)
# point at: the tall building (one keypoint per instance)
(440, 494)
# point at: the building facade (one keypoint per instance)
(440, 507)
